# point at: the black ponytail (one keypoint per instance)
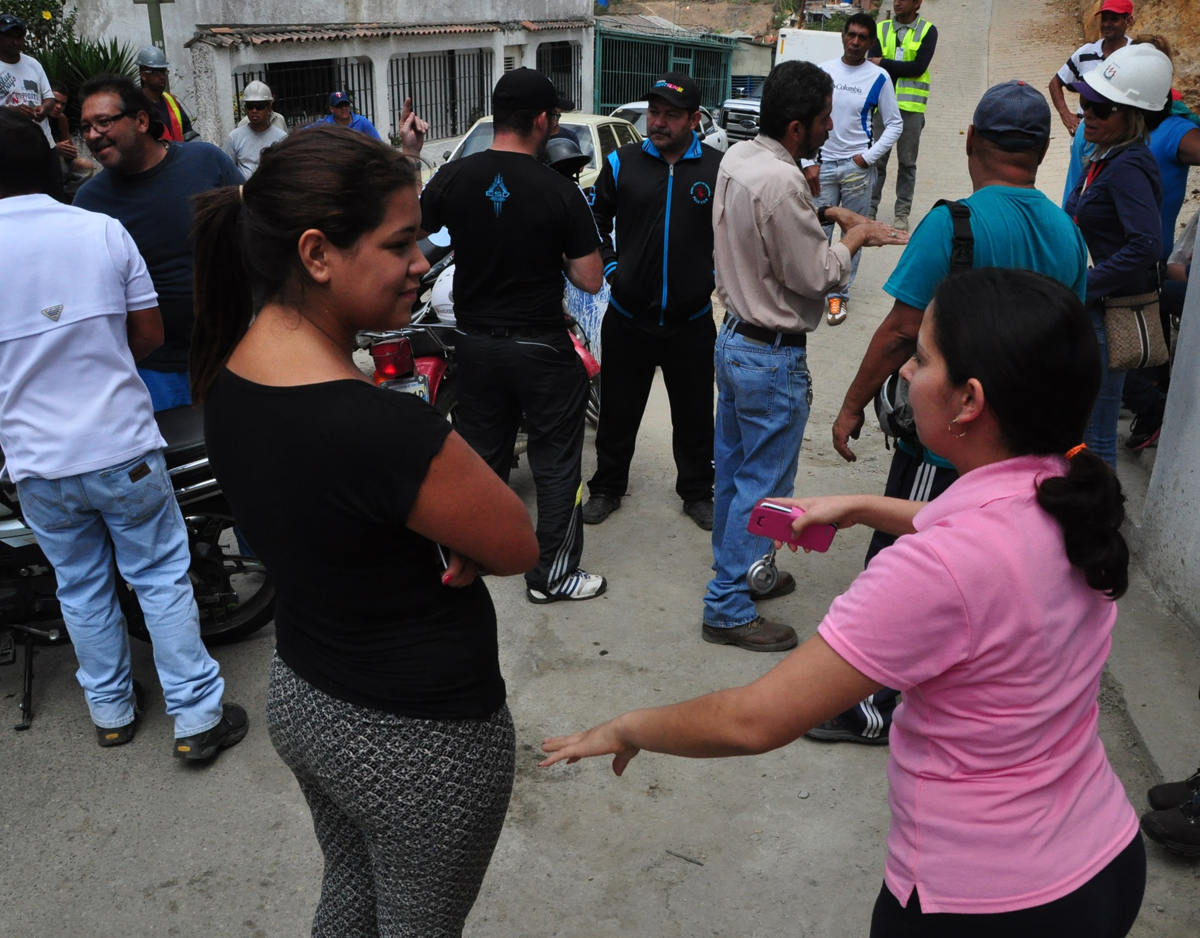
(221, 288)
(1029, 342)
(327, 178)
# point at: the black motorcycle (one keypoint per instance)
(234, 593)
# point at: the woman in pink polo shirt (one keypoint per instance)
(1006, 817)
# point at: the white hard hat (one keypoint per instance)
(1137, 75)
(443, 296)
(257, 91)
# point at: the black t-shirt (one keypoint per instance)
(321, 479)
(511, 220)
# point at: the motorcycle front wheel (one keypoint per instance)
(234, 593)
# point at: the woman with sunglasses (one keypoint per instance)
(1118, 202)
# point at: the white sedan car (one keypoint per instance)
(710, 132)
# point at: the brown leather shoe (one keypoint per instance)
(759, 635)
(784, 585)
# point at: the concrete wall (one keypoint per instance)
(751, 58)
(1168, 540)
(129, 23)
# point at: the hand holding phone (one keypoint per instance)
(769, 519)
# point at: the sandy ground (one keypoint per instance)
(127, 842)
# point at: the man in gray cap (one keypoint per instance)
(1011, 225)
(247, 141)
(152, 70)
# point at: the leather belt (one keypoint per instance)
(759, 334)
(504, 332)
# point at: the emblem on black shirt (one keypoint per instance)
(701, 193)
(497, 192)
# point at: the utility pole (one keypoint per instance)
(154, 9)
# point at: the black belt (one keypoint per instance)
(504, 332)
(759, 334)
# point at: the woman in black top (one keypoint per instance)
(386, 699)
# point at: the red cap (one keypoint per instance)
(1123, 7)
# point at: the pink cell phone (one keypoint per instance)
(775, 521)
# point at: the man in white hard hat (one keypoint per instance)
(152, 67)
(247, 141)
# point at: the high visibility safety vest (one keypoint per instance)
(912, 94)
(173, 130)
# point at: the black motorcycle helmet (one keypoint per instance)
(564, 156)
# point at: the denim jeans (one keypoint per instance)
(907, 148)
(1101, 433)
(763, 397)
(128, 510)
(845, 183)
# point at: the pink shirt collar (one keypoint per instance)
(1005, 479)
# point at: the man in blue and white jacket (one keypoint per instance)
(846, 166)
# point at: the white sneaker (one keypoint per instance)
(578, 586)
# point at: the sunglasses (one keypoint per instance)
(1102, 109)
(256, 105)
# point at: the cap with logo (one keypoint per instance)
(8, 23)
(1137, 76)
(338, 97)
(524, 89)
(1013, 115)
(677, 89)
(1121, 7)
(257, 91)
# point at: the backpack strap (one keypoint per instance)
(962, 248)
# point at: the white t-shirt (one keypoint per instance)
(245, 145)
(26, 83)
(71, 400)
(1082, 61)
(857, 92)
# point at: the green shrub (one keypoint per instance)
(45, 22)
(73, 61)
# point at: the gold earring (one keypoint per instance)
(950, 429)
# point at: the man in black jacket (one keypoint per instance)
(660, 314)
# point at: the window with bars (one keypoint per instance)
(302, 89)
(626, 65)
(450, 89)
(562, 63)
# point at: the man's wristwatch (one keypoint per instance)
(822, 215)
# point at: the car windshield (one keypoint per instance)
(480, 138)
(635, 116)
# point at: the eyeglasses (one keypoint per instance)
(1102, 109)
(256, 105)
(102, 125)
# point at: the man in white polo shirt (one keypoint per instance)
(83, 448)
(846, 167)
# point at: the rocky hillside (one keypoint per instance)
(1178, 21)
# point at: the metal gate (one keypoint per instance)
(450, 89)
(302, 89)
(562, 63)
(627, 63)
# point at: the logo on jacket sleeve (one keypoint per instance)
(497, 192)
(701, 193)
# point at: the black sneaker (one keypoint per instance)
(119, 736)
(1173, 794)
(1177, 829)
(1144, 431)
(229, 732)
(831, 731)
(599, 507)
(700, 511)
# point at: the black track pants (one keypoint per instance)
(543, 377)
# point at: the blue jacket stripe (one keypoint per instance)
(615, 162)
(870, 105)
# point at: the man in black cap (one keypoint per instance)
(517, 227)
(24, 86)
(660, 313)
(1013, 225)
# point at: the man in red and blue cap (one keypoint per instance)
(343, 115)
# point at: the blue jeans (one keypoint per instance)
(845, 183)
(1101, 433)
(168, 389)
(763, 397)
(128, 510)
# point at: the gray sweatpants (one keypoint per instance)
(906, 154)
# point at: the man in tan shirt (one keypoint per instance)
(774, 269)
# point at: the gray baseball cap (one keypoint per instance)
(1013, 115)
